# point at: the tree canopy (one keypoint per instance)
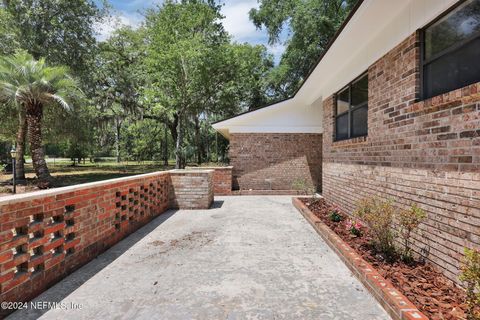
(153, 91)
(61, 31)
(310, 24)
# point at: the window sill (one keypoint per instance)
(351, 141)
(451, 96)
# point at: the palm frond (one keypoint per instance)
(25, 80)
(62, 102)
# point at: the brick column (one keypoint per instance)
(191, 189)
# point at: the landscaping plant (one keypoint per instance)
(379, 215)
(34, 87)
(307, 189)
(471, 277)
(354, 227)
(408, 221)
(335, 215)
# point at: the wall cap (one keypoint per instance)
(56, 191)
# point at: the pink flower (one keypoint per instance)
(349, 224)
(358, 225)
(355, 227)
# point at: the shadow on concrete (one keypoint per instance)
(217, 204)
(73, 281)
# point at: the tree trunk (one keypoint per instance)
(21, 137)
(117, 139)
(216, 145)
(198, 143)
(165, 150)
(34, 120)
(173, 127)
(179, 146)
(207, 144)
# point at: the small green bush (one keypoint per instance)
(5, 190)
(408, 221)
(379, 215)
(471, 277)
(306, 188)
(335, 215)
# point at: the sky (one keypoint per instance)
(236, 22)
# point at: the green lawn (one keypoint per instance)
(66, 175)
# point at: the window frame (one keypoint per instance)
(425, 62)
(350, 109)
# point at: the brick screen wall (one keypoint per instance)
(274, 161)
(422, 151)
(46, 235)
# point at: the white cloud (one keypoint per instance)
(237, 22)
(277, 51)
(105, 28)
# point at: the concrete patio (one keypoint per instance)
(249, 257)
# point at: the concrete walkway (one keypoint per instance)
(248, 258)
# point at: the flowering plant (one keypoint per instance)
(355, 227)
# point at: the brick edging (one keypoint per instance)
(393, 301)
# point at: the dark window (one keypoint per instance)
(451, 57)
(352, 110)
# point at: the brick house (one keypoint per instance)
(392, 108)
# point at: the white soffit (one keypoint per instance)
(284, 117)
(374, 30)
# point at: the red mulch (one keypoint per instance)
(432, 293)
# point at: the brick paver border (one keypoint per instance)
(394, 302)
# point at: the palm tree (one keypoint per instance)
(32, 86)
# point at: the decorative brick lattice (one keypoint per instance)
(46, 236)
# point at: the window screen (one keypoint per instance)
(352, 110)
(451, 50)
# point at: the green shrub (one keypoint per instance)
(379, 215)
(335, 215)
(5, 190)
(306, 188)
(408, 221)
(471, 277)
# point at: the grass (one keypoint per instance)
(66, 175)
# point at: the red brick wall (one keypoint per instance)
(427, 152)
(222, 179)
(274, 161)
(46, 235)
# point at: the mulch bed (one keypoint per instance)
(430, 291)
